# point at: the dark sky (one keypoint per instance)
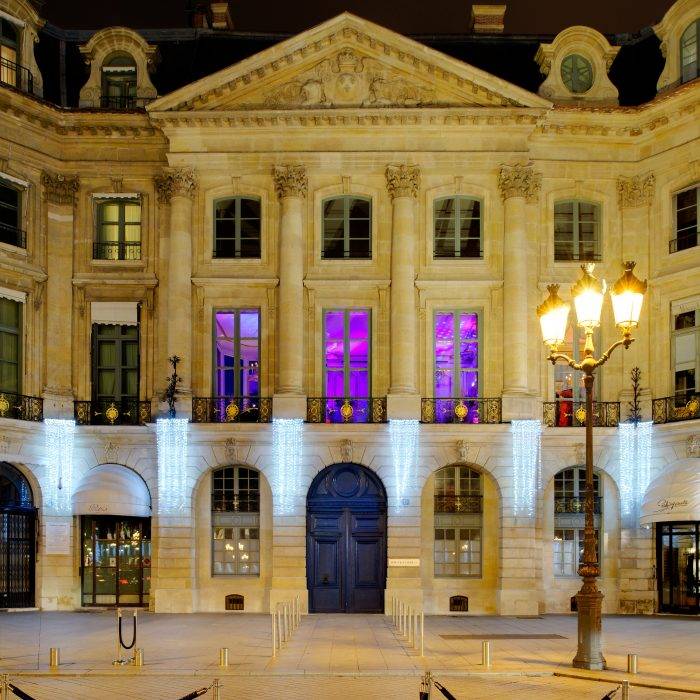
(407, 17)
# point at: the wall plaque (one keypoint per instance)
(404, 562)
(57, 538)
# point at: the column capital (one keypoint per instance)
(176, 182)
(402, 180)
(519, 180)
(635, 191)
(290, 180)
(60, 189)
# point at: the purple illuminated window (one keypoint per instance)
(346, 362)
(456, 363)
(237, 353)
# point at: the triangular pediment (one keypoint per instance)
(347, 62)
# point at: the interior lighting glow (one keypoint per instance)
(59, 435)
(635, 466)
(404, 452)
(171, 434)
(527, 466)
(287, 448)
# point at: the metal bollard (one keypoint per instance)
(486, 654)
(216, 690)
(631, 663)
(137, 658)
(223, 657)
(4, 690)
(274, 635)
(422, 633)
(625, 690)
(54, 657)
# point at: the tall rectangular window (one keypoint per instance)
(237, 227)
(568, 550)
(457, 228)
(456, 371)
(576, 231)
(347, 228)
(686, 354)
(118, 230)
(686, 207)
(10, 345)
(237, 353)
(115, 363)
(346, 366)
(10, 216)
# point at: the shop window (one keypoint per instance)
(118, 230)
(235, 514)
(457, 228)
(237, 354)
(458, 522)
(347, 228)
(576, 231)
(686, 209)
(689, 52)
(685, 353)
(237, 227)
(119, 82)
(10, 345)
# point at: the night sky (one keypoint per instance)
(408, 17)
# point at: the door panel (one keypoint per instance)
(678, 568)
(17, 546)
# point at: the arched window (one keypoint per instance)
(689, 52)
(15, 491)
(457, 228)
(458, 521)
(8, 53)
(576, 231)
(347, 228)
(237, 227)
(235, 520)
(569, 495)
(119, 82)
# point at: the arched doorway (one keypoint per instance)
(346, 540)
(17, 539)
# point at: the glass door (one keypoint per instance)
(116, 560)
(677, 566)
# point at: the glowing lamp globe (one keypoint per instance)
(553, 313)
(588, 294)
(627, 296)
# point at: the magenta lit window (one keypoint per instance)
(346, 363)
(456, 336)
(237, 353)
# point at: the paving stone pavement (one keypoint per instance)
(325, 688)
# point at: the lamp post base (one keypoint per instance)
(590, 628)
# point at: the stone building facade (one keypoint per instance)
(409, 202)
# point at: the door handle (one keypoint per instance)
(324, 579)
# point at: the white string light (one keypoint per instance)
(287, 455)
(171, 435)
(527, 466)
(59, 464)
(635, 466)
(404, 452)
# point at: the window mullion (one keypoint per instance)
(346, 227)
(346, 353)
(236, 352)
(576, 243)
(237, 228)
(458, 228)
(456, 357)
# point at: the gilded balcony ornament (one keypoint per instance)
(313, 410)
(346, 411)
(265, 410)
(549, 414)
(428, 411)
(687, 411)
(493, 411)
(112, 413)
(461, 411)
(4, 405)
(580, 415)
(290, 180)
(378, 411)
(402, 180)
(231, 411)
(199, 410)
(519, 180)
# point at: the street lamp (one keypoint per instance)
(627, 295)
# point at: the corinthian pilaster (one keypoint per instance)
(402, 180)
(60, 189)
(290, 180)
(176, 182)
(519, 181)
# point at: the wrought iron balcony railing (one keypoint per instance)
(565, 413)
(674, 408)
(323, 409)
(21, 407)
(687, 240)
(17, 76)
(461, 410)
(112, 412)
(231, 409)
(458, 504)
(117, 251)
(575, 504)
(118, 102)
(12, 236)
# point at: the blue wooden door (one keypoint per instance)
(346, 541)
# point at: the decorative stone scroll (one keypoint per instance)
(346, 450)
(693, 446)
(519, 181)
(402, 180)
(60, 189)
(635, 191)
(290, 180)
(176, 182)
(463, 451)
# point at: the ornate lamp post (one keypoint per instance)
(627, 295)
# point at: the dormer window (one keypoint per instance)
(8, 53)
(689, 52)
(577, 73)
(119, 82)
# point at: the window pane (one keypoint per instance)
(226, 209)
(334, 208)
(359, 208)
(250, 208)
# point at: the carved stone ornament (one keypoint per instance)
(463, 451)
(580, 453)
(519, 181)
(110, 452)
(635, 191)
(232, 450)
(402, 180)
(60, 189)
(693, 446)
(176, 182)
(348, 80)
(4, 444)
(290, 180)
(346, 450)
